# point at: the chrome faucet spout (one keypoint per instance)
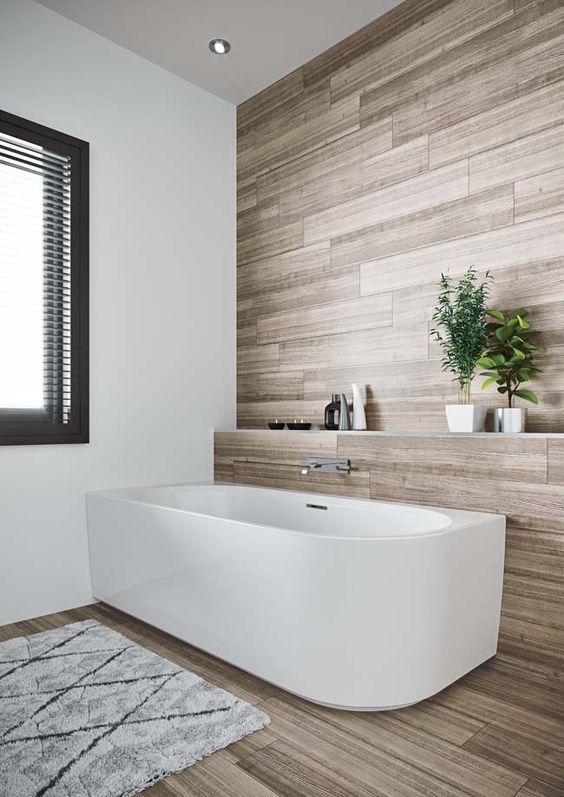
(326, 466)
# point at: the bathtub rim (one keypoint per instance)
(459, 519)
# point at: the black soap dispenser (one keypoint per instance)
(333, 407)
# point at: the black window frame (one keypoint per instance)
(32, 427)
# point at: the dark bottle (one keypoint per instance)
(330, 410)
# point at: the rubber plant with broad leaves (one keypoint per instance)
(509, 355)
(460, 326)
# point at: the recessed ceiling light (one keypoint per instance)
(219, 46)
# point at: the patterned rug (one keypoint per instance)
(85, 712)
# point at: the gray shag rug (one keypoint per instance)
(85, 712)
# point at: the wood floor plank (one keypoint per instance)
(342, 752)
(523, 754)
(440, 760)
(215, 776)
(534, 788)
(495, 733)
(289, 771)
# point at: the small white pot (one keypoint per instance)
(466, 417)
(510, 421)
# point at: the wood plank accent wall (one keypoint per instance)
(431, 140)
(521, 477)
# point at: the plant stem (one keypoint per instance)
(464, 393)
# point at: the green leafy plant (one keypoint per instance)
(460, 326)
(509, 354)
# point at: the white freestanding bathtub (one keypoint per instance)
(356, 604)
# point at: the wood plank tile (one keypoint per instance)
(539, 196)
(249, 745)
(354, 348)
(266, 153)
(486, 211)
(556, 461)
(257, 359)
(396, 21)
(529, 242)
(478, 90)
(512, 287)
(416, 193)
(272, 386)
(296, 291)
(437, 34)
(404, 379)
(215, 776)
(261, 244)
(533, 506)
(267, 273)
(534, 788)
(343, 752)
(522, 116)
(430, 754)
(521, 753)
(525, 157)
(498, 709)
(269, 101)
(288, 477)
(287, 770)
(337, 156)
(361, 313)
(512, 458)
(257, 414)
(286, 447)
(394, 165)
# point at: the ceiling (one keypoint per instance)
(269, 38)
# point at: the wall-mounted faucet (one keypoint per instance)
(326, 466)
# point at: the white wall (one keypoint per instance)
(161, 292)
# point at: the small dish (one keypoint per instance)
(299, 425)
(276, 425)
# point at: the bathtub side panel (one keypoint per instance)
(368, 623)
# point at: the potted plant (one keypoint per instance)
(460, 329)
(509, 362)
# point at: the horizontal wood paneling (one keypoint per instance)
(539, 196)
(366, 312)
(503, 123)
(540, 152)
(426, 190)
(528, 242)
(427, 142)
(520, 477)
(486, 211)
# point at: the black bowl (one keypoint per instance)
(276, 425)
(304, 426)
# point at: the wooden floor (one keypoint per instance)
(498, 732)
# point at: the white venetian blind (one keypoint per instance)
(34, 278)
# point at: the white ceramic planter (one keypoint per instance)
(510, 421)
(466, 417)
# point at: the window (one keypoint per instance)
(43, 285)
